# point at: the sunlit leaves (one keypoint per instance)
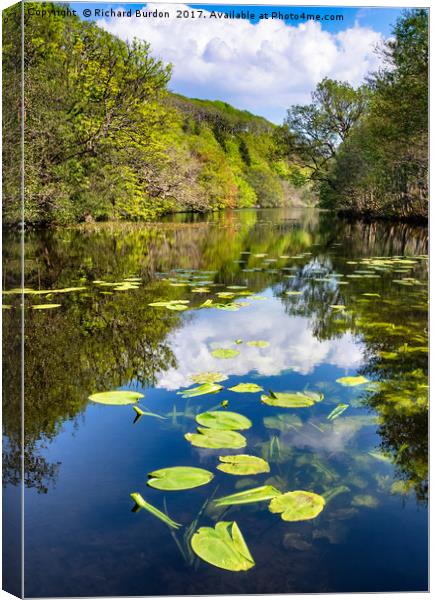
(351, 381)
(141, 503)
(216, 438)
(258, 344)
(179, 478)
(116, 397)
(242, 464)
(205, 388)
(223, 420)
(223, 547)
(298, 505)
(225, 353)
(258, 494)
(291, 399)
(243, 388)
(337, 411)
(208, 377)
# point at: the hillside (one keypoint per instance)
(105, 139)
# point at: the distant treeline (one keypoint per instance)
(367, 148)
(105, 139)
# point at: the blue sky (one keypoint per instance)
(263, 66)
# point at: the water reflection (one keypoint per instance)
(325, 307)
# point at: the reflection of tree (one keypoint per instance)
(391, 324)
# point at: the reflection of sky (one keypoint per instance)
(292, 346)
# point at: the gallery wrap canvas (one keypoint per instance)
(214, 278)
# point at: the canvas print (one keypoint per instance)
(215, 296)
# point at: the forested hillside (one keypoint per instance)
(105, 139)
(366, 149)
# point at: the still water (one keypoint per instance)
(332, 299)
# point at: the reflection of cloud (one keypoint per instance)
(292, 345)
(334, 439)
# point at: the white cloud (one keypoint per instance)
(292, 345)
(264, 68)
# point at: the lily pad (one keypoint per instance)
(227, 420)
(259, 494)
(258, 343)
(225, 353)
(223, 547)
(243, 464)
(298, 505)
(141, 503)
(205, 388)
(208, 377)
(216, 438)
(351, 381)
(243, 388)
(179, 478)
(116, 397)
(45, 306)
(291, 399)
(338, 410)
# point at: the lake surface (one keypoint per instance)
(332, 299)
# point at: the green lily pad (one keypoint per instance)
(208, 377)
(291, 399)
(223, 547)
(258, 343)
(179, 478)
(116, 397)
(258, 494)
(227, 420)
(172, 304)
(298, 505)
(205, 388)
(243, 388)
(216, 438)
(45, 306)
(338, 410)
(243, 464)
(293, 293)
(225, 353)
(141, 503)
(351, 381)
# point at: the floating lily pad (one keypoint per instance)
(243, 464)
(258, 494)
(291, 399)
(351, 381)
(45, 306)
(179, 478)
(338, 410)
(243, 388)
(216, 419)
(205, 388)
(116, 397)
(298, 505)
(225, 353)
(293, 293)
(216, 438)
(223, 547)
(208, 377)
(258, 343)
(141, 503)
(172, 304)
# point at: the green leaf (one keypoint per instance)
(216, 438)
(116, 397)
(179, 478)
(223, 420)
(337, 411)
(243, 464)
(223, 547)
(225, 353)
(243, 388)
(205, 388)
(143, 413)
(141, 503)
(258, 343)
(45, 306)
(291, 399)
(351, 381)
(208, 377)
(259, 494)
(298, 505)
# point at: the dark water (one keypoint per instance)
(83, 459)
